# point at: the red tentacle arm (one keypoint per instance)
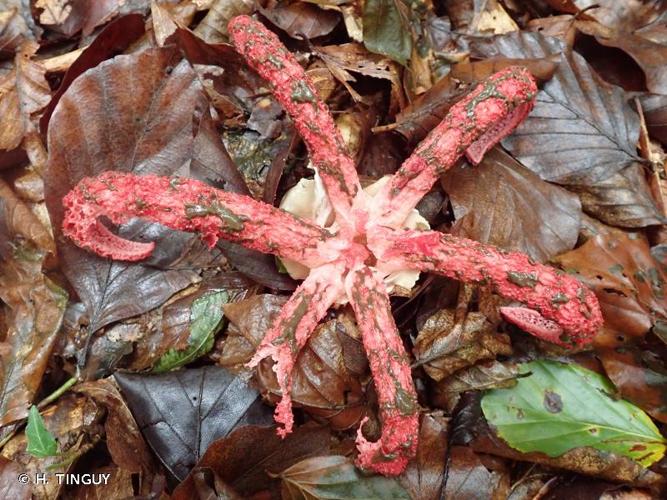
(185, 205)
(390, 367)
(473, 125)
(291, 329)
(312, 119)
(564, 311)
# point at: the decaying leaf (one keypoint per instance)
(335, 477)
(250, 458)
(33, 305)
(447, 343)
(23, 92)
(627, 280)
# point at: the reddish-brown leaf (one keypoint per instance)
(250, 457)
(505, 204)
(629, 284)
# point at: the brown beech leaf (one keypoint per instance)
(470, 429)
(249, 458)
(10, 487)
(152, 128)
(447, 343)
(624, 199)
(181, 413)
(302, 20)
(629, 15)
(75, 423)
(335, 476)
(54, 11)
(213, 28)
(503, 203)
(13, 31)
(327, 372)
(469, 477)
(629, 284)
(118, 485)
(23, 92)
(482, 376)
(582, 130)
(68, 17)
(640, 376)
(424, 476)
(655, 113)
(649, 55)
(123, 438)
(112, 40)
(33, 306)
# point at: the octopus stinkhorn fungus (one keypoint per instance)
(367, 241)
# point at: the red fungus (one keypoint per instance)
(349, 260)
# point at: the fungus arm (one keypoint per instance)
(312, 119)
(390, 367)
(185, 205)
(291, 329)
(473, 125)
(560, 309)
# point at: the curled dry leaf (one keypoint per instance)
(649, 55)
(33, 305)
(628, 282)
(302, 20)
(503, 203)
(250, 458)
(327, 371)
(449, 341)
(23, 92)
(181, 413)
(213, 28)
(479, 377)
(353, 57)
(13, 31)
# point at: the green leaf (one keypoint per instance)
(559, 407)
(41, 443)
(206, 319)
(386, 29)
(335, 477)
